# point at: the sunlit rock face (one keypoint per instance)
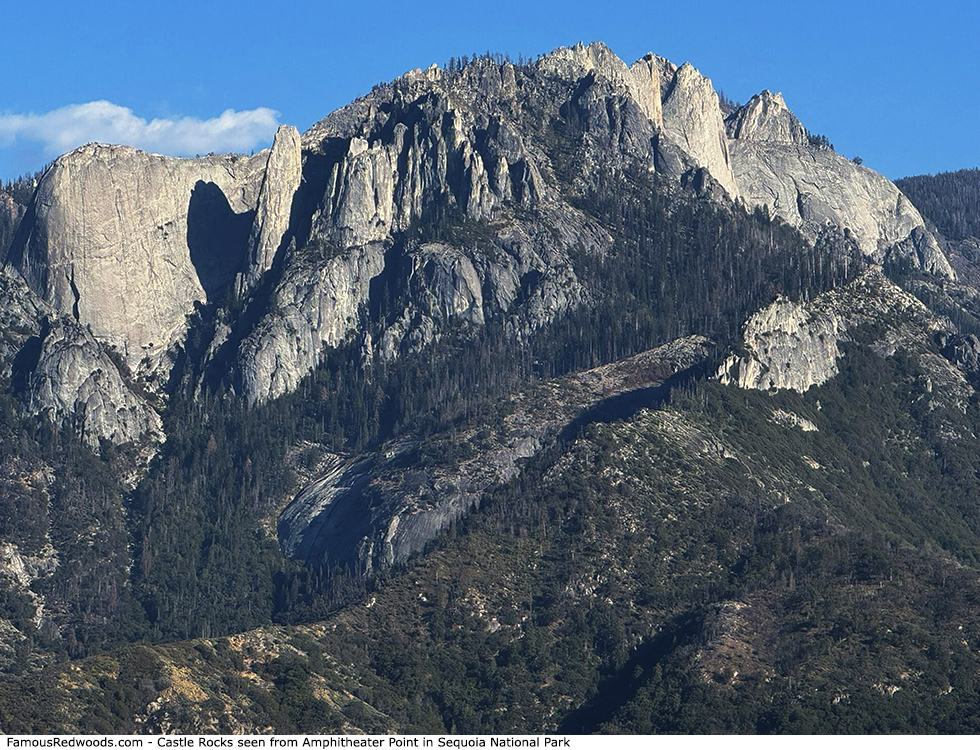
(817, 190)
(74, 377)
(693, 121)
(790, 345)
(127, 243)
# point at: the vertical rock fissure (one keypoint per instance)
(74, 291)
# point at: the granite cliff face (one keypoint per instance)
(75, 377)
(61, 371)
(766, 118)
(270, 228)
(369, 512)
(127, 242)
(693, 121)
(120, 247)
(317, 304)
(439, 204)
(815, 189)
(790, 345)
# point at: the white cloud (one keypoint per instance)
(66, 128)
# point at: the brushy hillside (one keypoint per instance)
(722, 560)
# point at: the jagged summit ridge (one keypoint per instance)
(765, 117)
(133, 246)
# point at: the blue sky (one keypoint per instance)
(897, 85)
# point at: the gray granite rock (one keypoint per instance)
(74, 379)
(21, 317)
(439, 190)
(814, 188)
(766, 118)
(318, 303)
(11, 213)
(269, 235)
(127, 242)
(652, 75)
(789, 345)
(693, 121)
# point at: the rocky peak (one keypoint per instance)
(132, 244)
(652, 75)
(283, 174)
(819, 191)
(432, 73)
(693, 120)
(765, 117)
(448, 138)
(573, 63)
(645, 81)
(127, 242)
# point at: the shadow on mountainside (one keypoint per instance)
(217, 237)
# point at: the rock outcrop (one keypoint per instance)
(327, 295)
(317, 304)
(127, 242)
(372, 511)
(420, 156)
(21, 317)
(58, 369)
(74, 379)
(652, 74)
(693, 121)
(270, 229)
(963, 350)
(581, 61)
(815, 189)
(766, 118)
(789, 345)
(386, 168)
(441, 193)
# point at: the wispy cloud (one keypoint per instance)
(66, 128)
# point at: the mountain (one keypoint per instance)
(540, 397)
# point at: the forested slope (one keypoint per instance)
(951, 200)
(522, 411)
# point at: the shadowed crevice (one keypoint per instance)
(217, 237)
